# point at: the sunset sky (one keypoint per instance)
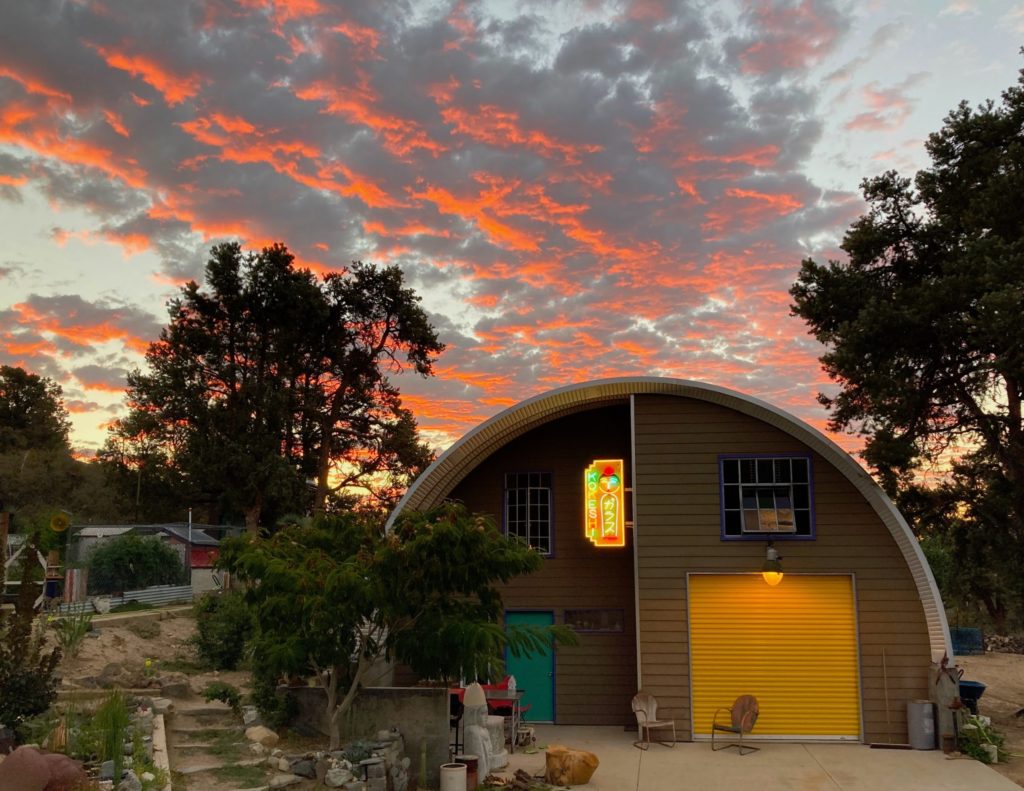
(577, 189)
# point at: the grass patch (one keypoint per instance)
(184, 664)
(245, 776)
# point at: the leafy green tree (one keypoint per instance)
(131, 562)
(334, 597)
(924, 334)
(269, 378)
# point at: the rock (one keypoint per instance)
(110, 675)
(257, 749)
(130, 782)
(276, 752)
(28, 769)
(163, 706)
(147, 777)
(174, 685)
(566, 766)
(263, 735)
(283, 780)
(284, 764)
(336, 777)
(250, 716)
(107, 770)
(304, 768)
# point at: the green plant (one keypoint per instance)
(227, 693)
(71, 631)
(978, 737)
(248, 776)
(111, 721)
(132, 561)
(276, 708)
(223, 627)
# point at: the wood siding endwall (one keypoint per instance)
(595, 680)
(678, 441)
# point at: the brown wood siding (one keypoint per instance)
(595, 680)
(678, 441)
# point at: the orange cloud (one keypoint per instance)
(34, 86)
(501, 128)
(175, 88)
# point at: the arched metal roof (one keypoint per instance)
(438, 480)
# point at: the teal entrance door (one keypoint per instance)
(535, 673)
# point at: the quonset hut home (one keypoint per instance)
(655, 502)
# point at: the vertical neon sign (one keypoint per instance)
(605, 503)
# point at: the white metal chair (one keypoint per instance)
(645, 707)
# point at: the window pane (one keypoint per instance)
(730, 471)
(782, 497)
(731, 495)
(800, 470)
(749, 497)
(782, 473)
(803, 522)
(765, 497)
(800, 496)
(732, 523)
(750, 522)
(765, 471)
(748, 471)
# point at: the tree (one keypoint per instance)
(922, 324)
(38, 473)
(32, 413)
(334, 597)
(270, 378)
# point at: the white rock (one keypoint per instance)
(147, 777)
(284, 764)
(282, 781)
(263, 735)
(257, 749)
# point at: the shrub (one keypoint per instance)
(227, 693)
(130, 562)
(223, 627)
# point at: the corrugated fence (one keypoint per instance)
(157, 596)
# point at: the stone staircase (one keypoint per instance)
(208, 749)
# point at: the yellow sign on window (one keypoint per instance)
(604, 503)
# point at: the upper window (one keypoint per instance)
(528, 508)
(768, 496)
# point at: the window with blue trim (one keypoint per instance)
(528, 508)
(766, 496)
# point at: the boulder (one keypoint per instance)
(130, 782)
(304, 768)
(283, 780)
(336, 777)
(174, 685)
(565, 766)
(29, 769)
(250, 716)
(263, 735)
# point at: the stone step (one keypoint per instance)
(203, 728)
(213, 767)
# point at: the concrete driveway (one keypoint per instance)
(778, 765)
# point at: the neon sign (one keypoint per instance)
(604, 503)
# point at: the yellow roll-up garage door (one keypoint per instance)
(793, 646)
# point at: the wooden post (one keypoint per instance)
(5, 526)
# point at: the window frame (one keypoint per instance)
(551, 508)
(767, 536)
(620, 610)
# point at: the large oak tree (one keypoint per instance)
(925, 337)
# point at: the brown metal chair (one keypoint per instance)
(645, 707)
(742, 716)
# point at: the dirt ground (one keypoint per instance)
(1003, 675)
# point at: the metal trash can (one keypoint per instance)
(921, 724)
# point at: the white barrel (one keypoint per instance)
(453, 777)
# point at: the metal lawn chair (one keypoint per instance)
(645, 707)
(742, 716)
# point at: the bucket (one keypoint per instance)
(453, 777)
(921, 724)
(472, 774)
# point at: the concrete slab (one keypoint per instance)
(778, 766)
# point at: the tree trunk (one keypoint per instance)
(252, 516)
(332, 696)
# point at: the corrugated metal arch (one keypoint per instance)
(430, 488)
